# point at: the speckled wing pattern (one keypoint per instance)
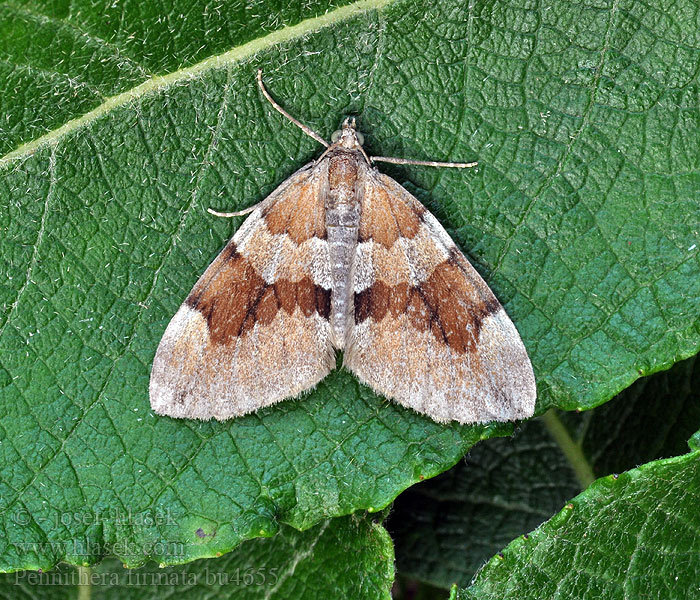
(427, 331)
(254, 330)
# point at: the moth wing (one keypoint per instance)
(255, 329)
(427, 331)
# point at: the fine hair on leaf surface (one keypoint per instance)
(121, 124)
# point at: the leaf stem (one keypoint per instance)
(571, 449)
(84, 585)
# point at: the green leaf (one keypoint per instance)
(59, 60)
(626, 536)
(444, 529)
(581, 215)
(292, 565)
(654, 418)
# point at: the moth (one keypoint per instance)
(341, 257)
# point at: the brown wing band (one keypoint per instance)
(384, 220)
(300, 220)
(448, 304)
(235, 297)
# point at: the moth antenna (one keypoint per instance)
(424, 163)
(307, 130)
(238, 213)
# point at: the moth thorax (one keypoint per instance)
(342, 179)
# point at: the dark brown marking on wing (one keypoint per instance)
(448, 303)
(267, 306)
(235, 297)
(323, 302)
(286, 292)
(230, 252)
(372, 302)
(362, 303)
(306, 296)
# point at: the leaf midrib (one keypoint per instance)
(160, 82)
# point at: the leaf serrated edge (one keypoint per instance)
(598, 487)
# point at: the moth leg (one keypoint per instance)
(237, 213)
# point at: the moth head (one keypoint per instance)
(348, 136)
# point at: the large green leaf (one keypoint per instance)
(582, 215)
(292, 565)
(629, 536)
(446, 528)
